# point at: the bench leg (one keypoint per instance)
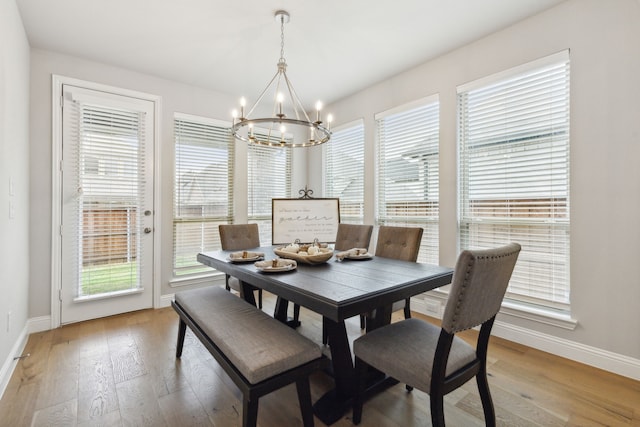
(304, 397)
(249, 412)
(182, 330)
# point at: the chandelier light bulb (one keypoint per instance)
(280, 99)
(243, 102)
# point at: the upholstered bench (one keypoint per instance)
(259, 353)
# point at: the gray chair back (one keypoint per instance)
(401, 243)
(351, 236)
(239, 236)
(479, 283)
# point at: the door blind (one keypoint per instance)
(408, 172)
(514, 176)
(108, 165)
(344, 171)
(203, 191)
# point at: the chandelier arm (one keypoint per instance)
(253, 107)
(295, 100)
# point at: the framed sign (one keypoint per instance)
(304, 219)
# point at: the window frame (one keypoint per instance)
(354, 138)
(254, 195)
(427, 175)
(197, 269)
(511, 215)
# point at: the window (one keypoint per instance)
(203, 190)
(514, 174)
(269, 177)
(408, 171)
(344, 171)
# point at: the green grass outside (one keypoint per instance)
(106, 278)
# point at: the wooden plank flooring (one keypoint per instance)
(122, 371)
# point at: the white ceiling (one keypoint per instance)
(333, 47)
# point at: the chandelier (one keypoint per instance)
(289, 125)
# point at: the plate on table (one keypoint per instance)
(279, 266)
(245, 256)
(359, 256)
(355, 253)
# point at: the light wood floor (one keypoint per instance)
(122, 370)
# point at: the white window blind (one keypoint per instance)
(514, 175)
(203, 192)
(108, 164)
(269, 177)
(344, 171)
(408, 171)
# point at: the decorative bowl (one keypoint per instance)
(322, 256)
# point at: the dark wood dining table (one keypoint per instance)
(337, 291)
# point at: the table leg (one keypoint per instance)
(246, 293)
(335, 403)
(379, 317)
(280, 313)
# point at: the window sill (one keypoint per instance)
(536, 314)
(521, 311)
(200, 279)
(108, 295)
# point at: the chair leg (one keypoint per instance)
(260, 298)
(358, 400)
(182, 330)
(249, 412)
(485, 397)
(325, 336)
(407, 308)
(437, 410)
(304, 397)
(363, 321)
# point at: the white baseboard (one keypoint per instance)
(39, 324)
(592, 356)
(9, 364)
(165, 300)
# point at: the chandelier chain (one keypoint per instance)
(282, 39)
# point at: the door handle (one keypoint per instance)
(147, 230)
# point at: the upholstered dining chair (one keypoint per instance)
(431, 358)
(401, 243)
(350, 236)
(235, 237)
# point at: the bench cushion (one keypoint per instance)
(257, 344)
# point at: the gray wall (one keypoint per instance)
(14, 168)
(604, 42)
